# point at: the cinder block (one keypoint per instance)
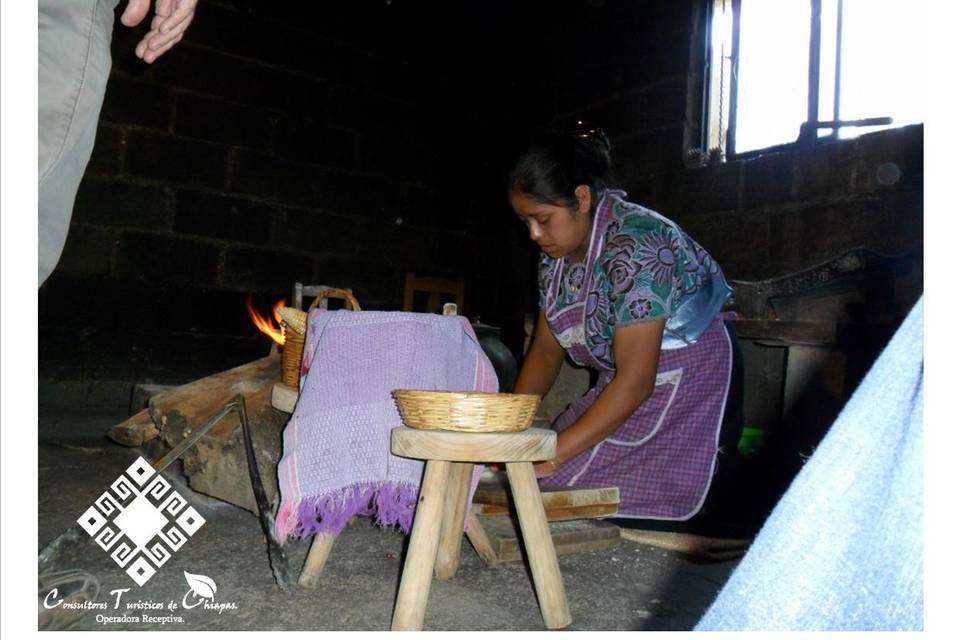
(129, 101)
(660, 55)
(705, 190)
(586, 85)
(827, 171)
(107, 151)
(121, 204)
(259, 269)
(653, 107)
(268, 177)
(768, 180)
(177, 160)
(87, 251)
(198, 69)
(155, 258)
(228, 218)
(218, 120)
(649, 152)
(308, 141)
(312, 230)
(368, 280)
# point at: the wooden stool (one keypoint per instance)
(442, 508)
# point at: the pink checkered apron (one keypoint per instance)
(663, 457)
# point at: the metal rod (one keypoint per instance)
(706, 73)
(192, 439)
(813, 86)
(734, 73)
(275, 552)
(836, 73)
(860, 122)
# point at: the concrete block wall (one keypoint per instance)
(350, 143)
(762, 216)
(271, 146)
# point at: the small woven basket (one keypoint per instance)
(474, 411)
(295, 333)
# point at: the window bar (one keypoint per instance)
(705, 76)
(836, 74)
(734, 72)
(808, 130)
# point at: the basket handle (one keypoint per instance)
(354, 305)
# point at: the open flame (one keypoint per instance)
(266, 325)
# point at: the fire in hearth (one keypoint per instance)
(269, 326)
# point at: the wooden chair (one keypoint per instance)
(436, 288)
(442, 509)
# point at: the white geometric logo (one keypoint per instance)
(132, 521)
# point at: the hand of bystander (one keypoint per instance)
(170, 20)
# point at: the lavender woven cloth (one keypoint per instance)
(336, 448)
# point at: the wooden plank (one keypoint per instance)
(568, 537)
(699, 546)
(554, 514)
(495, 493)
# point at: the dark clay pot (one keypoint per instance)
(503, 361)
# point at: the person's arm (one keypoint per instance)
(170, 21)
(636, 351)
(542, 362)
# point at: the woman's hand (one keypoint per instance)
(636, 351)
(546, 469)
(542, 362)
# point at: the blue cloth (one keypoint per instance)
(843, 549)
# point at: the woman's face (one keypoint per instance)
(560, 231)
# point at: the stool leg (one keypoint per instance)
(539, 545)
(316, 559)
(422, 552)
(478, 537)
(454, 511)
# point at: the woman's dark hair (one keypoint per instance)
(554, 165)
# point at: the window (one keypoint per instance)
(799, 72)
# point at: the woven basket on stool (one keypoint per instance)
(474, 411)
(295, 333)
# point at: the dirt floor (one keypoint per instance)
(628, 587)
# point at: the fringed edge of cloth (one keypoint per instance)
(393, 503)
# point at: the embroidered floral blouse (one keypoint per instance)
(646, 268)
